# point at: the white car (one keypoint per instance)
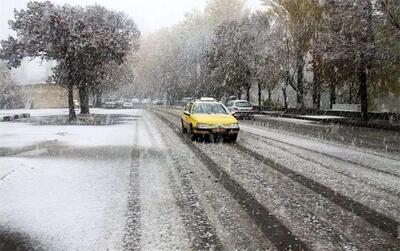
(145, 101)
(127, 104)
(241, 109)
(109, 103)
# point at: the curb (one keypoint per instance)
(5, 118)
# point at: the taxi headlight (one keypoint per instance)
(232, 126)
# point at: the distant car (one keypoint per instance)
(119, 103)
(127, 104)
(109, 103)
(76, 103)
(241, 109)
(161, 102)
(206, 117)
(145, 101)
(135, 101)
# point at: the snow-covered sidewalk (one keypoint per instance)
(66, 187)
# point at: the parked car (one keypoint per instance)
(128, 104)
(135, 101)
(119, 103)
(206, 117)
(76, 103)
(109, 103)
(241, 109)
(146, 101)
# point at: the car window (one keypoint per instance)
(210, 108)
(243, 104)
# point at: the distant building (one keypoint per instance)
(45, 95)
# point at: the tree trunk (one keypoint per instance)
(259, 93)
(84, 99)
(332, 97)
(71, 106)
(300, 85)
(316, 97)
(99, 95)
(363, 91)
(239, 94)
(285, 104)
(248, 88)
(350, 93)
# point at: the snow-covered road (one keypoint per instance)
(141, 184)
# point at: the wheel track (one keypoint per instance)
(131, 240)
(362, 140)
(192, 212)
(344, 173)
(375, 218)
(270, 225)
(328, 155)
(325, 154)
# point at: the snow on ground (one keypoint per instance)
(291, 120)
(35, 112)
(14, 134)
(71, 192)
(162, 225)
(322, 117)
(349, 153)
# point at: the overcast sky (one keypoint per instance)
(149, 15)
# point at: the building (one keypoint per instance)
(45, 95)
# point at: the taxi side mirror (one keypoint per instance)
(186, 113)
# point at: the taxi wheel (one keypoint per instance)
(234, 138)
(184, 130)
(192, 135)
(231, 138)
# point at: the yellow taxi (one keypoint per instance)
(208, 117)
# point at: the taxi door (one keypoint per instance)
(186, 115)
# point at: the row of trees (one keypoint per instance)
(88, 44)
(307, 45)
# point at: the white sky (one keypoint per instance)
(149, 15)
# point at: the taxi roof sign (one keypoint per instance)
(207, 99)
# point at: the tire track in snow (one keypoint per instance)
(373, 217)
(162, 227)
(203, 233)
(270, 225)
(327, 155)
(322, 164)
(131, 240)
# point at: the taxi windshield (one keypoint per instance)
(210, 108)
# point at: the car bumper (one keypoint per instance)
(219, 131)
